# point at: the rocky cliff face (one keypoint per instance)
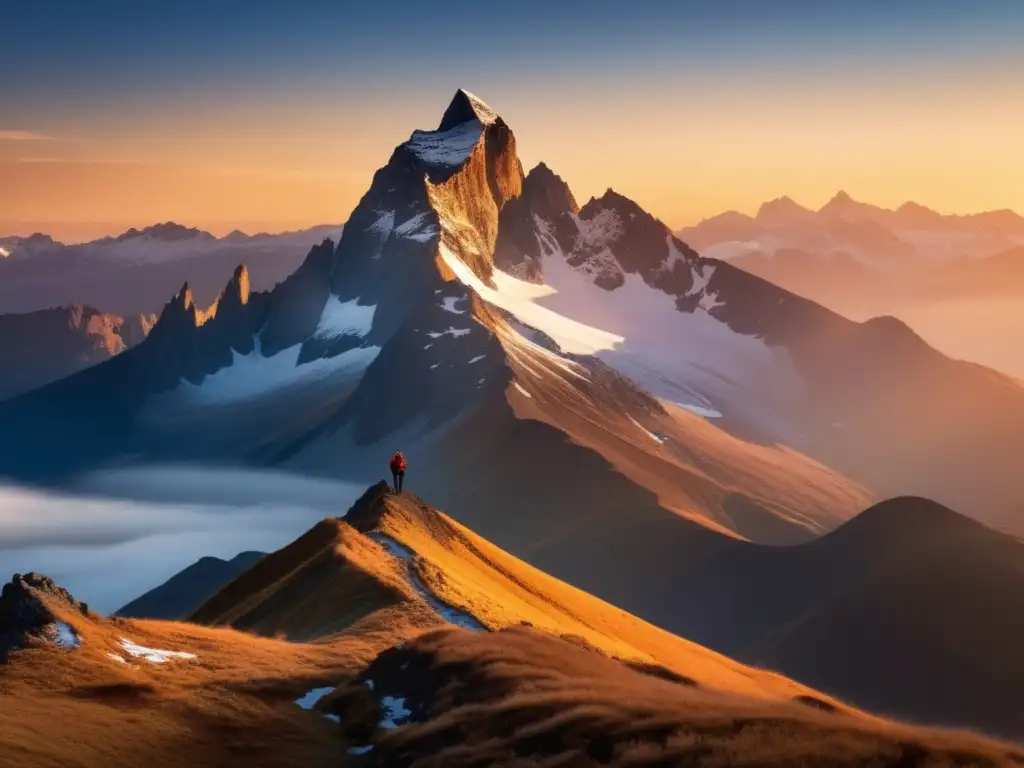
(26, 617)
(38, 348)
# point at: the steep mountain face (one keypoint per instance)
(415, 326)
(40, 347)
(134, 272)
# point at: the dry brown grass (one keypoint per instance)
(609, 689)
(501, 591)
(522, 698)
(234, 702)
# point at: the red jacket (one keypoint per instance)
(398, 463)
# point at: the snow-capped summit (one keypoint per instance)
(465, 107)
(461, 278)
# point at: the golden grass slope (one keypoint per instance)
(336, 608)
(520, 698)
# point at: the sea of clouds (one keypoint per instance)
(116, 534)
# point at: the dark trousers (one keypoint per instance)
(399, 478)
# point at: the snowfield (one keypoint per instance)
(687, 357)
(152, 655)
(253, 376)
(448, 148)
(420, 228)
(345, 318)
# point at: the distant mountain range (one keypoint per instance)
(847, 229)
(858, 258)
(134, 272)
(40, 347)
(184, 592)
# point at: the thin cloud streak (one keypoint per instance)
(23, 136)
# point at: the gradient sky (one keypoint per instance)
(272, 115)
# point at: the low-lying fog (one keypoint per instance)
(118, 534)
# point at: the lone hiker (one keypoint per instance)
(397, 465)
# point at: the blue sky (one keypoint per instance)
(309, 85)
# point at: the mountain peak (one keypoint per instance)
(781, 207)
(464, 107)
(239, 286)
(183, 298)
(612, 200)
(548, 191)
(168, 231)
(840, 197)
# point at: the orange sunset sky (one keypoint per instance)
(226, 143)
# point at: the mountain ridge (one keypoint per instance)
(435, 647)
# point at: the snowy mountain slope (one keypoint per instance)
(373, 341)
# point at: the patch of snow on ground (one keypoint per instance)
(483, 112)
(710, 301)
(394, 710)
(522, 391)
(477, 359)
(447, 148)
(593, 238)
(646, 431)
(602, 229)
(360, 750)
(369, 684)
(252, 376)
(345, 318)
(448, 305)
(310, 699)
(456, 332)
(521, 298)
(675, 256)
(335, 718)
(383, 225)
(701, 276)
(449, 614)
(700, 410)
(116, 657)
(420, 228)
(152, 655)
(66, 636)
(435, 365)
